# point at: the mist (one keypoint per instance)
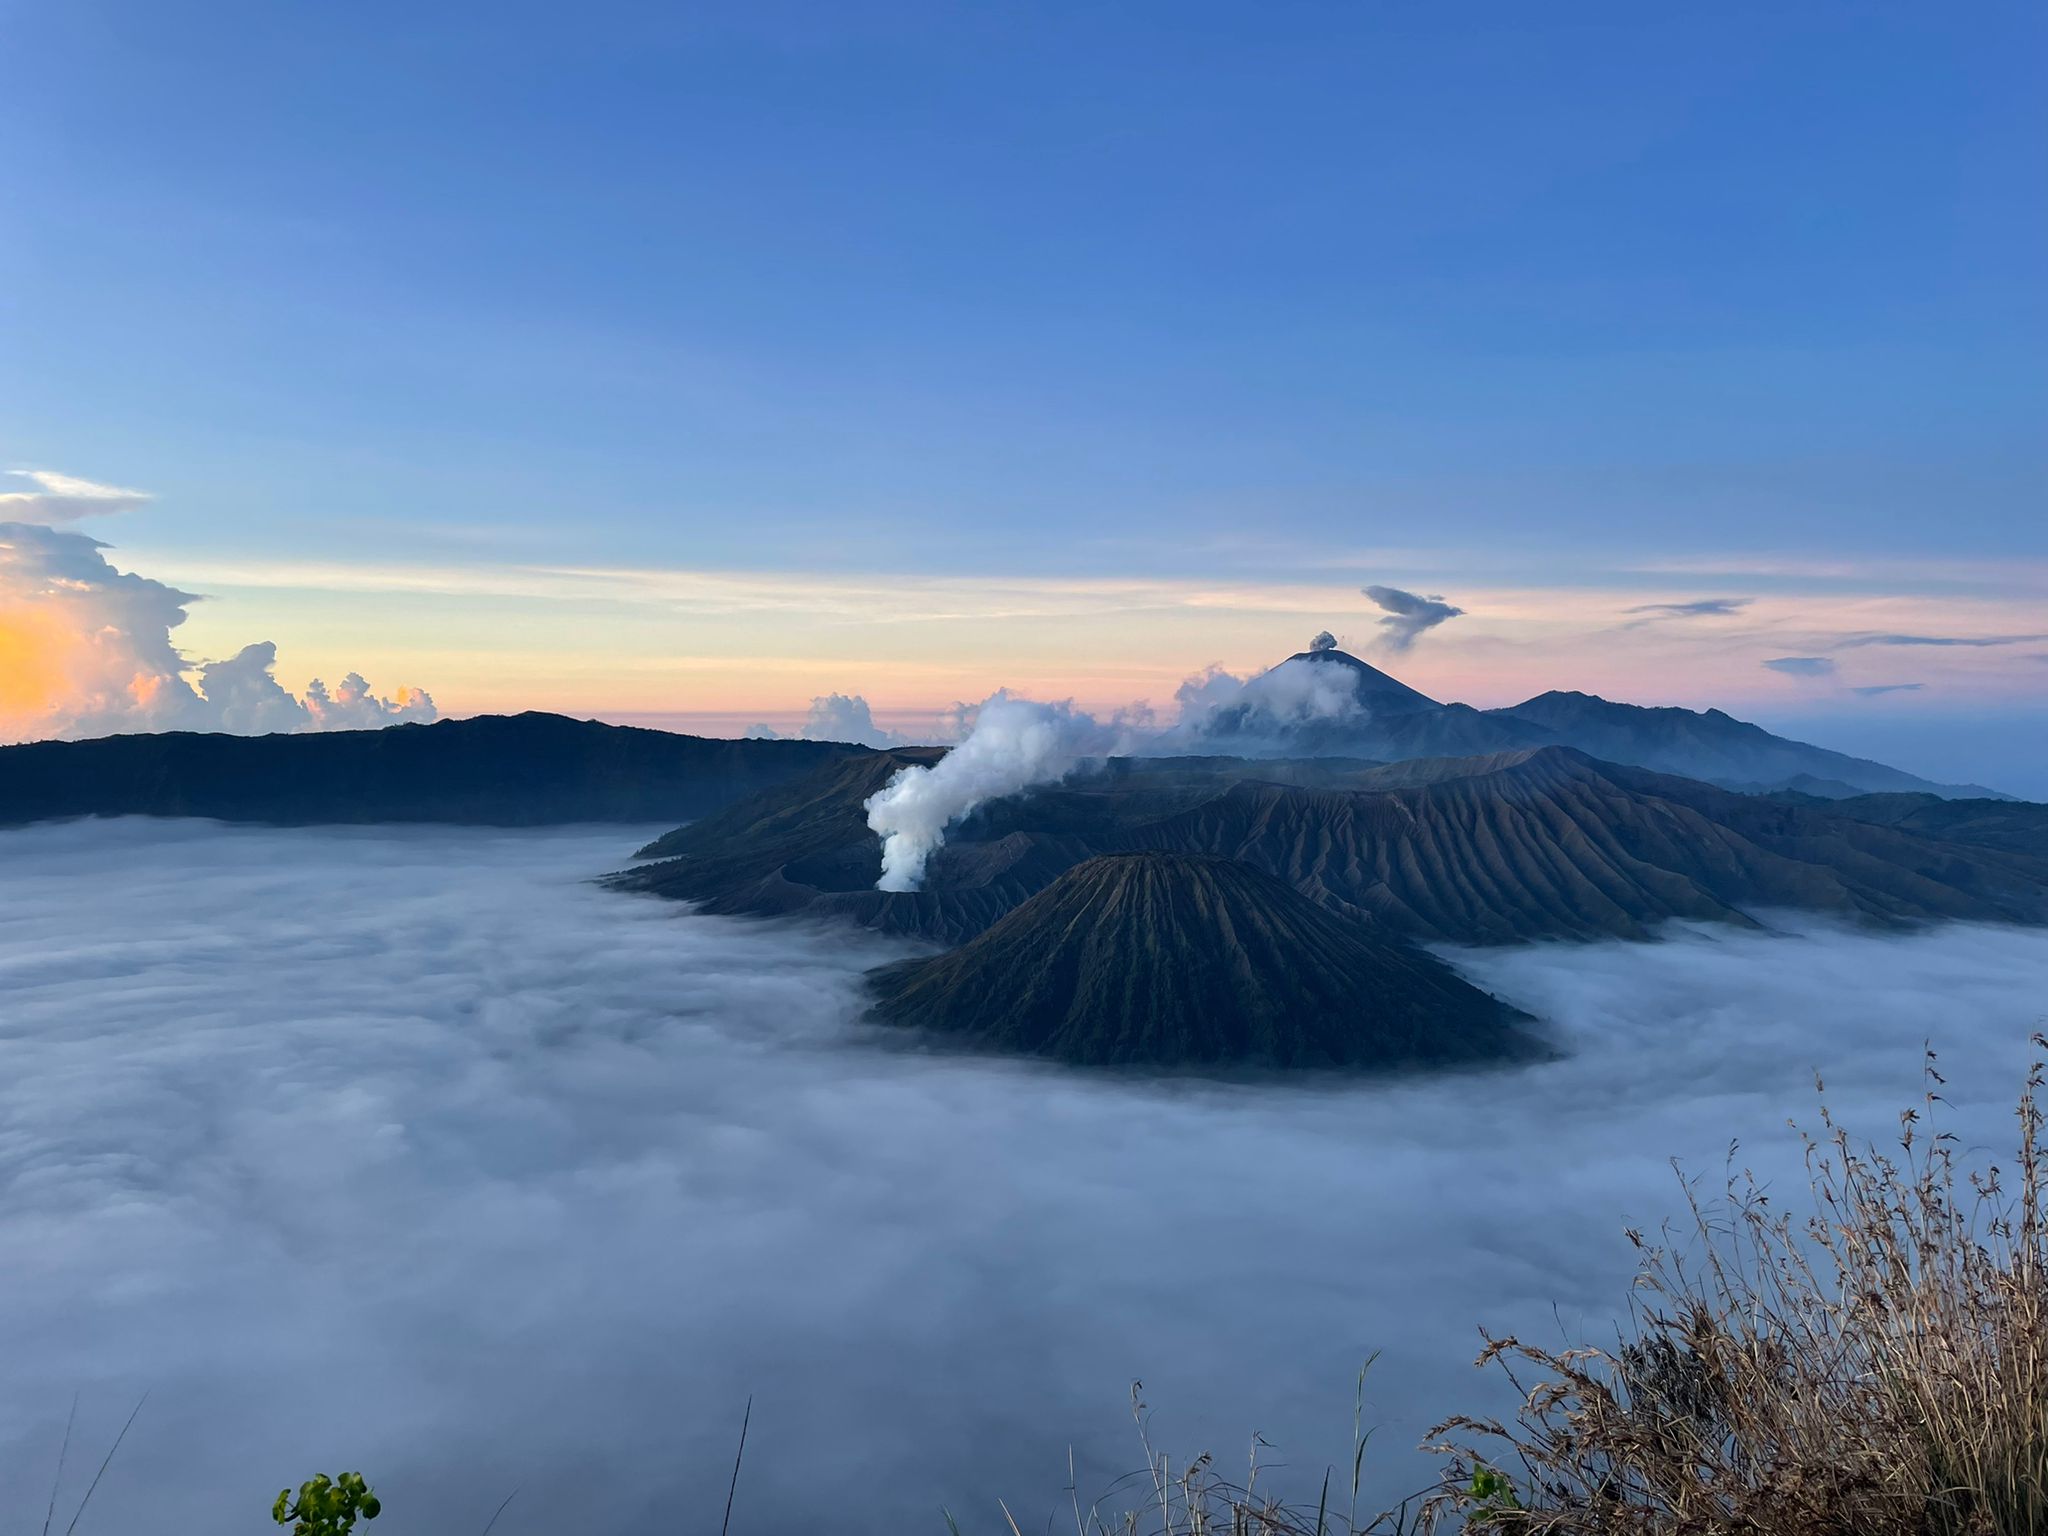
(414, 1152)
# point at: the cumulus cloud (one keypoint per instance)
(834, 717)
(62, 498)
(845, 717)
(1801, 666)
(1014, 744)
(353, 707)
(1873, 690)
(1408, 615)
(1698, 608)
(86, 650)
(561, 1170)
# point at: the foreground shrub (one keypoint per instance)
(326, 1507)
(1880, 1368)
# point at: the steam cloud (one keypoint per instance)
(1409, 616)
(561, 1176)
(1220, 707)
(86, 649)
(1008, 744)
(1014, 744)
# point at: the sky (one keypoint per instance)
(681, 364)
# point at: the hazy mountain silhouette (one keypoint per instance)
(1176, 960)
(1709, 745)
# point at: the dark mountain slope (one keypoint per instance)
(2015, 826)
(1166, 959)
(494, 770)
(1707, 745)
(806, 847)
(1537, 844)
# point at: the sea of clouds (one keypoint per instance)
(414, 1152)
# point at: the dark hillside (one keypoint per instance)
(1543, 843)
(494, 770)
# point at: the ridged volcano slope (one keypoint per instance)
(1550, 843)
(1165, 959)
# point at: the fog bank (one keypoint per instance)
(409, 1151)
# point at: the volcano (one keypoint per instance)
(1167, 959)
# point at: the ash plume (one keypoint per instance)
(1409, 615)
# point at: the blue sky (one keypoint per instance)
(1572, 299)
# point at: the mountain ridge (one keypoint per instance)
(530, 769)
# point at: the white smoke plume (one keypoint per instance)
(1014, 744)
(86, 650)
(1215, 704)
(836, 717)
(1409, 615)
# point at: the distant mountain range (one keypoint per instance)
(534, 769)
(1395, 722)
(494, 770)
(1179, 960)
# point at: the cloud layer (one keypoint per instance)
(59, 498)
(1802, 666)
(537, 1183)
(1697, 608)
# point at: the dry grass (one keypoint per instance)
(1197, 1499)
(1877, 1368)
